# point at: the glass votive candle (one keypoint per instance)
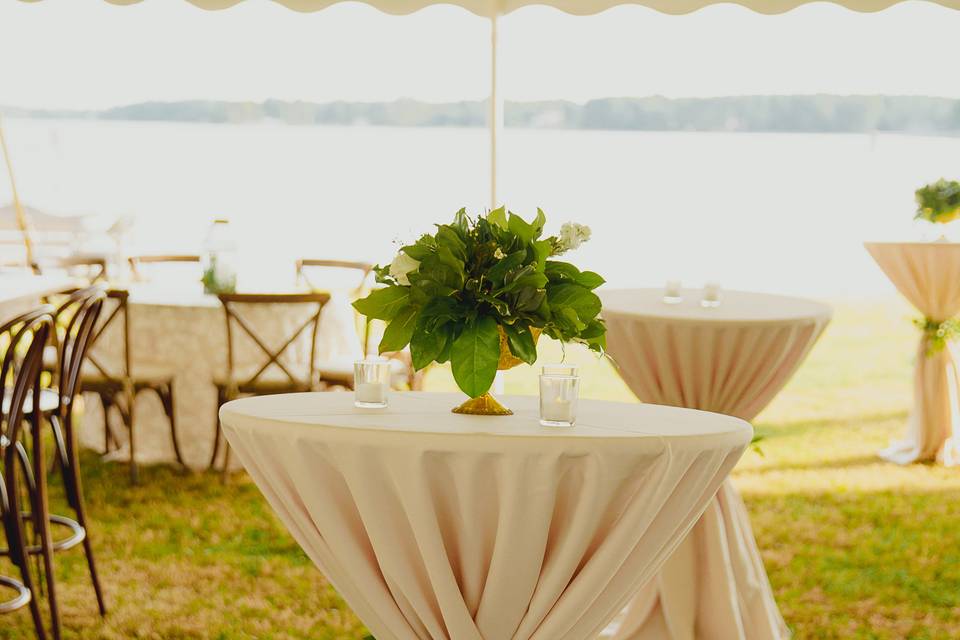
(672, 293)
(711, 295)
(559, 369)
(559, 396)
(371, 382)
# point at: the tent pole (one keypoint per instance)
(17, 207)
(496, 111)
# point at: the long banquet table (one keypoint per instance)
(732, 359)
(433, 525)
(18, 292)
(176, 328)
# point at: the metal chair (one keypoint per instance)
(78, 317)
(235, 384)
(118, 386)
(23, 492)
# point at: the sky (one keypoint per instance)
(84, 54)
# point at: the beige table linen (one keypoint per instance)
(731, 359)
(928, 275)
(179, 330)
(20, 292)
(439, 526)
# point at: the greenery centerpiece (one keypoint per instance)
(479, 292)
(938, 202)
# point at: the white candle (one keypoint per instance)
(558, 411)
(672, 290)
(371, 393)
(711, 294)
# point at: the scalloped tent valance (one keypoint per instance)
(491, 8)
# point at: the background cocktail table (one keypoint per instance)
(732, 359)
(928, 275)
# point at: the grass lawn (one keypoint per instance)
(855, 548)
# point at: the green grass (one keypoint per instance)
(855, 548)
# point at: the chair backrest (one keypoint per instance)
(93, 268)
(356, 290)
(117, 313)
(307, 265)
(75, 323)
(136, 262)
(238, 325)
(23, 339)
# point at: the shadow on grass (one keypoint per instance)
(771, 431)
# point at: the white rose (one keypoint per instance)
(401, 266)
(572, 235)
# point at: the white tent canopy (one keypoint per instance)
(492, 9)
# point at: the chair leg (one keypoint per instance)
(17, 543)
(106, 401)
(225, 472)
(75, 499)
(166, 398)
(130, 423)
(217, 436)
(41, 510)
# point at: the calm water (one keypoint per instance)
(775, 212)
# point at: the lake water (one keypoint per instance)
(773, 212)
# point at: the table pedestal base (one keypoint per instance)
(933, 431)
(714, 585)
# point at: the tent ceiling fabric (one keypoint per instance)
(491, 8)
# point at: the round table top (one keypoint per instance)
(430, 413)
(736, 307)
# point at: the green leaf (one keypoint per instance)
(398, 333)
(590, 280)
(426, 346)
(498, 271)
(573, 296)
(539, 223)
(498, 217)
(383, 304)
(521, 342)
(449, 238)
(474, 356)
(541, 250)
(568, 320)
(521, 228)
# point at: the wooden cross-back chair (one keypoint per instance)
(119, 385)
(363, 270)
(94, 267)
(341, 375)
(236, 383)
(23, 342)
(136, 262)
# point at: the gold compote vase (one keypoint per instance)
(486, 404)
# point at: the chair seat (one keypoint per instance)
(264, 385)
(143, 377)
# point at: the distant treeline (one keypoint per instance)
(816, 113)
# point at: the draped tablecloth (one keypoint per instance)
(732, 359)
(439, 526)
(179, 330)
(928, 275)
